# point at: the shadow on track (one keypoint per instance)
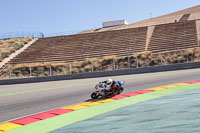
(101, 98)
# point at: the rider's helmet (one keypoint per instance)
(109, 81)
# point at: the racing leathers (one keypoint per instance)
(109, 89)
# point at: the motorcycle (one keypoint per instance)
(101, 91)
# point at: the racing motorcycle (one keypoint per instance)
(101, 91)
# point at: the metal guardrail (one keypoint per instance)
(9, 35)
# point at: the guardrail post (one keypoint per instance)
(70, 69)
(92, 66)
(30, 72)
(50, 71)
(114, 64)
(10, 74)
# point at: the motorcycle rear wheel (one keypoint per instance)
(120, 91)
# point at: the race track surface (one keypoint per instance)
(26, 99)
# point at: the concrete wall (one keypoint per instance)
(179, 66)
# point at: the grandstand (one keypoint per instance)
(179, 30)
(174, 36)
(81, 46)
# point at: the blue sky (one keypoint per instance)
(53, 16)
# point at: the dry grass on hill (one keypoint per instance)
(9, 46)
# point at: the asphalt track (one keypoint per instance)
(26, 99)
(107, 116)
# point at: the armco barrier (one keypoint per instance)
(172, 67)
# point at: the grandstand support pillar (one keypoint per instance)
(150, 31)
(198, 31)
(50, 70)
(30, 72)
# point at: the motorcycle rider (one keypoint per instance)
(109, 86)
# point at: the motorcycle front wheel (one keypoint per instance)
(94, 95)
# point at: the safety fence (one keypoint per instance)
(109, 63)
(8, 35)
(171, 67)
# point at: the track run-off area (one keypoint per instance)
(146, 112)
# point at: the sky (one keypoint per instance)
(69, 16)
